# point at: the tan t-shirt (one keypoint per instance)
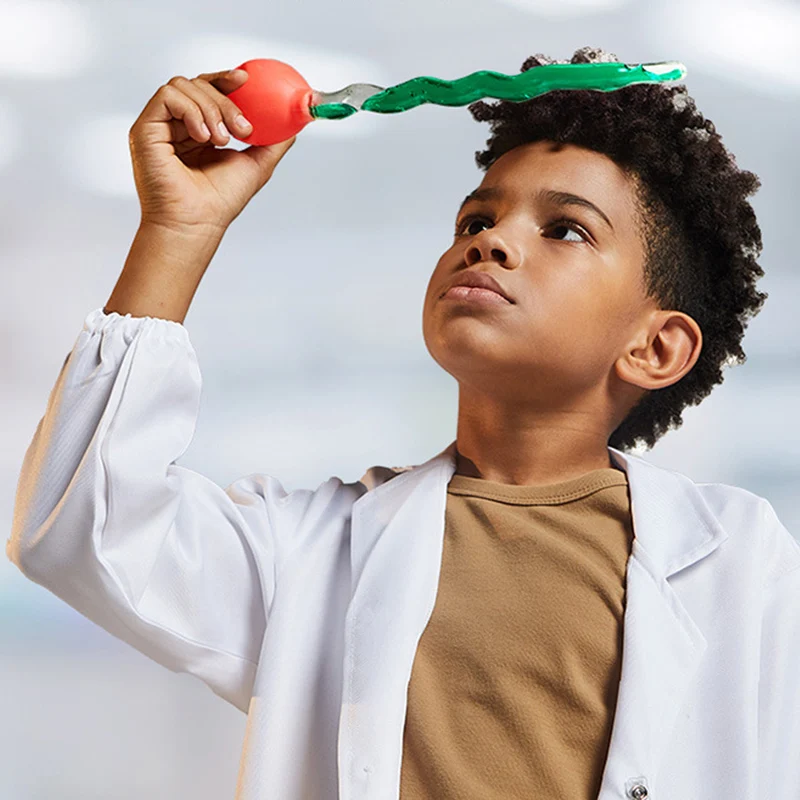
(514, 683)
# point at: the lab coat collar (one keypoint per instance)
(397, 533)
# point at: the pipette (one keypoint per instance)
(279, 102)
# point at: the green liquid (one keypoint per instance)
(332, 110)
(604, 77)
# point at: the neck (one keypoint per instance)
(527, 447)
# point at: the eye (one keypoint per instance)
(561, 226)
(466, 224)
(568, 226)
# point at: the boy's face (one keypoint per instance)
(576, 280)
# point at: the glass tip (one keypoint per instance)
(666, 67)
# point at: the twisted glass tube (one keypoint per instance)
(603, 77)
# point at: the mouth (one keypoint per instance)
(474, 295)
(475, 283)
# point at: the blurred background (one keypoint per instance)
(308, 323)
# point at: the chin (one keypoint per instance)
(462, 362)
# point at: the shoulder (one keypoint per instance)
(748, 520)
(332, 495)
(377, 475)
(729, 503)
(741, 511)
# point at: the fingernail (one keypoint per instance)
(223, 131)
(242, 124)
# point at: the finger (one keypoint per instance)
(227, 80)
(179, 132)
(168, 104)
(182, 141)
(181, 136)
(231, 115)
(209, 108)
(188, 145)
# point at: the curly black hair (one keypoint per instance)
(700, 233)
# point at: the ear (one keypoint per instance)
(663, 353)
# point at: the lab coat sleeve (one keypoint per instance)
(156, 554)
(779, 679)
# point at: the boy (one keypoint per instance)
(531, 612)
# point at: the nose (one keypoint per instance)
(489, 245)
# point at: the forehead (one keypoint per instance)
(565, 168)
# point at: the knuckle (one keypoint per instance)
(201, 98)
(205, 86)
(175, 80)
(167, 90)
(210, 112)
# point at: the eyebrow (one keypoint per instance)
(548, 195)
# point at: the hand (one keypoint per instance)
(183, 180)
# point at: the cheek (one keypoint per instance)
(429, 303)
(578, 317)
(438, 278)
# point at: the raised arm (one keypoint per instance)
(104, 518)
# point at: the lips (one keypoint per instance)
(477, 279)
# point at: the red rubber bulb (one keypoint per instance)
(275, 98)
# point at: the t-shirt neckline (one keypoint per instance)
(550, 494)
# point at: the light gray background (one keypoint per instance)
(308, 324)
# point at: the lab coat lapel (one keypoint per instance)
(396, 551)
(662, 646)
(397, 533)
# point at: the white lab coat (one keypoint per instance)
(304, 609)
